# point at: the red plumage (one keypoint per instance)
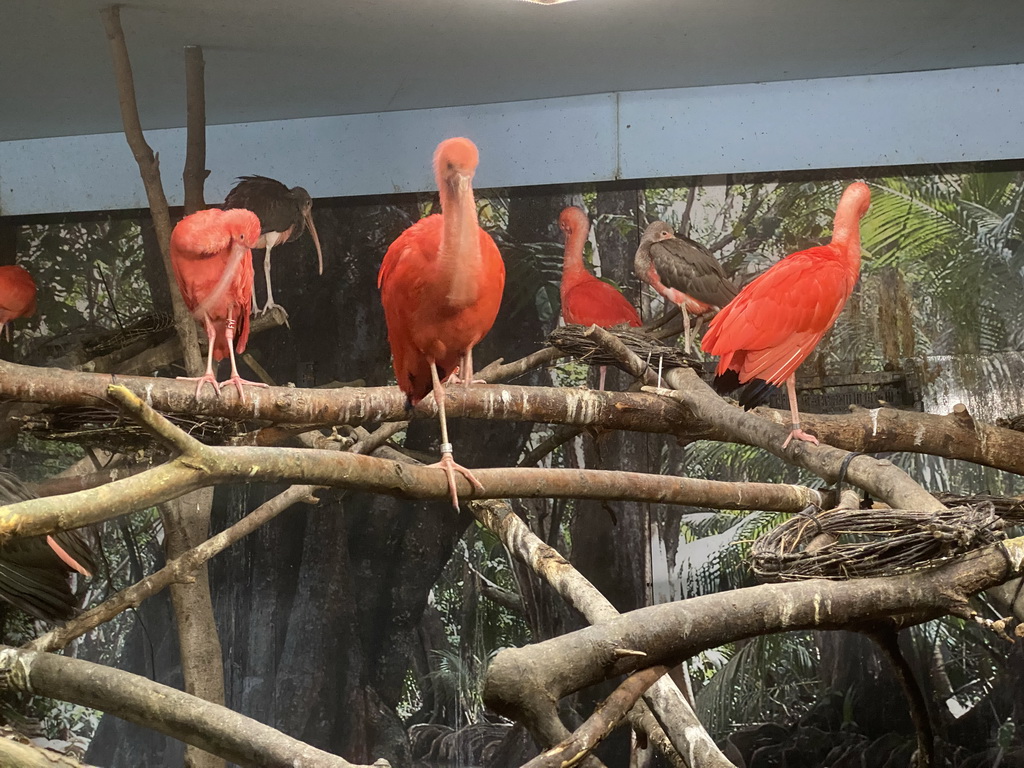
(212, 259)
(441, 283)
(438, 302)
(773, 325)
(17, 294)
(585, 299)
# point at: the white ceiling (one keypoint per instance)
(275, 59)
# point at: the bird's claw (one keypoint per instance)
(799, 434)
(238, 381)
(269, 306)
(206, 378)
(450, 467)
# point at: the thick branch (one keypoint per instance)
(208, 726)
(675, 718)
(881, 429)
(672, 632)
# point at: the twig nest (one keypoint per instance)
(863, 543)
(573, 341)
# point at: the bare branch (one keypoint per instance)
(674, 727)
(149, 168)
(210, 727)
(599, 725)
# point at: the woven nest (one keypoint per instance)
(1010, 508)
(572, 340)
(862, 543)
(108, 429)
(111, 341)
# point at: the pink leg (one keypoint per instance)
(796, 433)
(600, 379)
(447, 462)
(238, 381)
(466, 368)
(208, 377)
(686, 329)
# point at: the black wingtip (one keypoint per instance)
(725, 383)
(756, 392)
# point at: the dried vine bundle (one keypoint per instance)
(105, 427)
(1010, 508)
(573, 341)
(863, 543)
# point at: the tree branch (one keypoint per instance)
(208, 726)
(674, 728)
(195, 173)
(672, 632)
(601, 723)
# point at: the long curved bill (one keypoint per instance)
(308, 216)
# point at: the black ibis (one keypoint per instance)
(34, 571)
(284, 215)
(683, 271)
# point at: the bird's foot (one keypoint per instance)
(269, 306)
(206, 378)
(450, 467)
(238, 381)
(798, 434)
(455, 379)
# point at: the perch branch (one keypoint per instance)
(194, 174)
(210, 727)
(599, 725)
(672, 632)
(674, 729)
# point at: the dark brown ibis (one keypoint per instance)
(683, 272)
(35, 572)
(284, 215)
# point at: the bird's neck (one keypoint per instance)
(460, 259)
(846, 238)
(572, 262)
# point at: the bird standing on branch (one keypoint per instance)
(683, 272)
(34, 571)
(284, 215)
(17, 296)
(777, 320)
(212, 260)
(585, 299)
(441, 283)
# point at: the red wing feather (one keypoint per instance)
(776, 321)
(595, 302)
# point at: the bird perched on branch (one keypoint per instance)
(35, 571)
(17, 296)
(683, 272)
(284, 215)
(585, 299)
(777, 320)
(212, 260)
(441, 283)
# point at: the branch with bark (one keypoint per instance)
(210, 727)
(882, 429)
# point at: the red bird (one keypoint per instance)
(777, 320)
(440, 284)
(17, 296)
(211, 256)
(683, 272)
(585, 299)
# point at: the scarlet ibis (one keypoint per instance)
(284, 215)
(211, 256)
(683, 272)
(440, 284)
(17, 295)
(777, 320)
(585, 299)
(34, 571)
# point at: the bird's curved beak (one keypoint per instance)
(308, 216)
